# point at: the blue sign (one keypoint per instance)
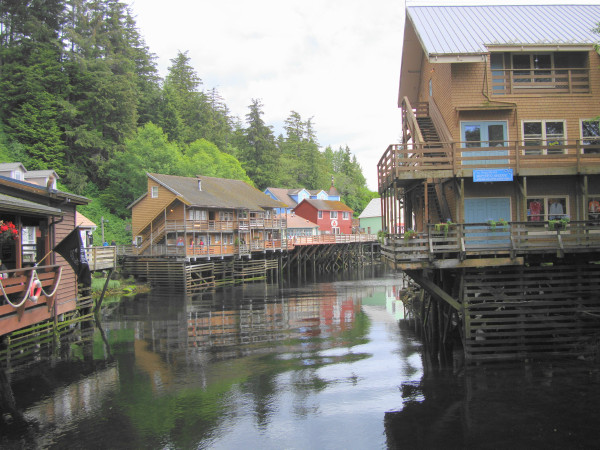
(490, 175)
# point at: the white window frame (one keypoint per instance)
(154, 192)
(333, 214)
(546, 204)
(320, 214)
(335, 230)
(345, 215)
(588, 141)
(544, 140)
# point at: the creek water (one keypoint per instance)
(329, 364)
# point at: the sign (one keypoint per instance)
(334, 223)
(491, 175)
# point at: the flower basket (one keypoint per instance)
(8, 232)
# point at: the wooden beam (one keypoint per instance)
(433, 289)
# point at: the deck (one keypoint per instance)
(480, 244)
(408, 162)
(223, 249)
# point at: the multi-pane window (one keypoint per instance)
(154, 192)
(333, 214)
(345, 215)
(540, 209)
(590, 135)
(197, 214)
(544, 136)
(320, 214)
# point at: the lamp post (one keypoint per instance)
(102, 222)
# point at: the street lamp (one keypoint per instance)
(102, 222)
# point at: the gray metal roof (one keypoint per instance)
(373, 209)
(17, 205)
(469, 30)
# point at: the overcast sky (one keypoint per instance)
(337, 61)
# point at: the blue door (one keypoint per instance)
(482, 210)
(484, 134)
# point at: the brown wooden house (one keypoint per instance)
(498, 172)
(42, 216)
(204, 217)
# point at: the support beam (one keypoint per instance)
(432, 288)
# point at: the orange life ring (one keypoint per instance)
(35, 291)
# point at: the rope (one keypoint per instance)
(34, 276)
(55, 287)
(25, 297)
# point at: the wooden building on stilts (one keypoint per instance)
(497, 178)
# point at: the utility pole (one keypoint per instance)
(102, 226)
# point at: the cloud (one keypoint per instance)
(335, 61)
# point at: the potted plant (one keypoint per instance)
(559, 224)
(444, 226)
(410, 234)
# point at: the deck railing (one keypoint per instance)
(190, 225)
(461, 241)
(405, 160)
(101, 258)
(244, 248)
(556, 81)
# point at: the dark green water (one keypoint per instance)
(325, 365)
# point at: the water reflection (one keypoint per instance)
(321, 365)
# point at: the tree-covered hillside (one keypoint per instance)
(80, 93)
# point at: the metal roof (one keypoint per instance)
(471, 30)
(373, 209)
(19, 206)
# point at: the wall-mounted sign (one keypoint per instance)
(334, 223)
(491, 175)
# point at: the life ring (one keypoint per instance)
(35, 291)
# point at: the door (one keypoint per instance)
(484, 134)
(482, 210)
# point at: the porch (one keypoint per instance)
(484, 244)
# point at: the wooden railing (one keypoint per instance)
(101, 258)
(244, 248)
(462, 241)
(406, 160)
(559, 81)
(222, 225)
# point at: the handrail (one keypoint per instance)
(411, 121)
(512, 239)
(409, 157)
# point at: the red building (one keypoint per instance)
(332, 216)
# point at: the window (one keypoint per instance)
(345, 215)
(545, 136)
(430, 87)
(541, 209)
(594, 208)
(197, 214)
(335, 230)
(333, 214)
(590, 135)
(154, 192)
(320, 214)
(532, 67)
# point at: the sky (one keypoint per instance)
(336, 62)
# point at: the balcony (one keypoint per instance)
(479, 244)
(222, 225)
(458, 159)
(555, 81)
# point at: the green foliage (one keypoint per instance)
(80, 94)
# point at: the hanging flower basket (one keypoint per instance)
(8, 231)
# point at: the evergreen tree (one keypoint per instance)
(259, 154)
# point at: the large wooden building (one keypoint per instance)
(498, 173)
(205, 217)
